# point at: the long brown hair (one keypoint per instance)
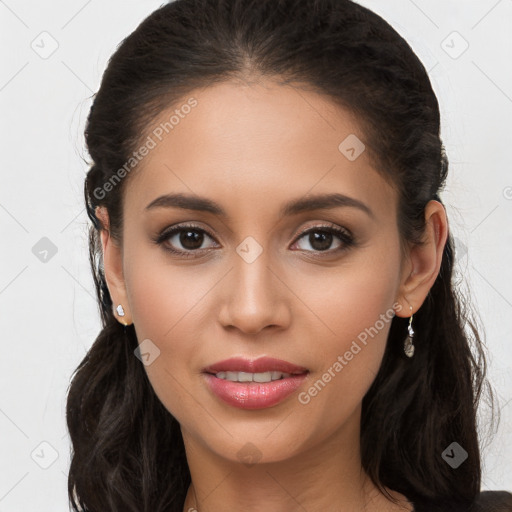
(128, 452)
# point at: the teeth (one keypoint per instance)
(252, 377)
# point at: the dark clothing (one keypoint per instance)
(487, 501)
(493, 501)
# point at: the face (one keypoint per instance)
(314, 287)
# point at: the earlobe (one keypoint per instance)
(113, 269)
(425, 260)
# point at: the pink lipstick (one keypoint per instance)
(254, 384)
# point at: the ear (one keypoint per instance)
(423, 261)
(113, 268)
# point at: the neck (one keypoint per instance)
(327, 477)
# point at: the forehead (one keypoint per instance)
(248, 146)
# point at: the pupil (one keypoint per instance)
(319, 236)
(194, 242)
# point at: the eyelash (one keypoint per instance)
(343, 235)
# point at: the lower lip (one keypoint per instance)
(254, 395)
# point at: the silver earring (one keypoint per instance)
(120, 310)
(408, 344)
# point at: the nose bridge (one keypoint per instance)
(253, 279)
(254, 298)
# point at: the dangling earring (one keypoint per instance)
(408, 344)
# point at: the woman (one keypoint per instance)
(273, 264)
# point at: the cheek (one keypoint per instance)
(164, 297)
(354, 311)
(351, 301)
(168, 309)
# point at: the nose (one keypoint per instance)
(255, 296)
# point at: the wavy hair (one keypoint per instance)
(128, 453)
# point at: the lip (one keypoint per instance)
(262, 364)
(254, 395)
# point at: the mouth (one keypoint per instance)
(258, 367)
(252, 377)
(254, 384)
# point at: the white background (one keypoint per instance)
(48, 310)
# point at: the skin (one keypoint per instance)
(252, 148)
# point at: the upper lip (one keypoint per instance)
(260, 365)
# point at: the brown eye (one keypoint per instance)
(321, 238)
(190, 239)
(183, 240)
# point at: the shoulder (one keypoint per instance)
(493, 501)
(486, 501)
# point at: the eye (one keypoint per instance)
(320, 238)
(190, 237)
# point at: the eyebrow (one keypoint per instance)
(294, 207)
